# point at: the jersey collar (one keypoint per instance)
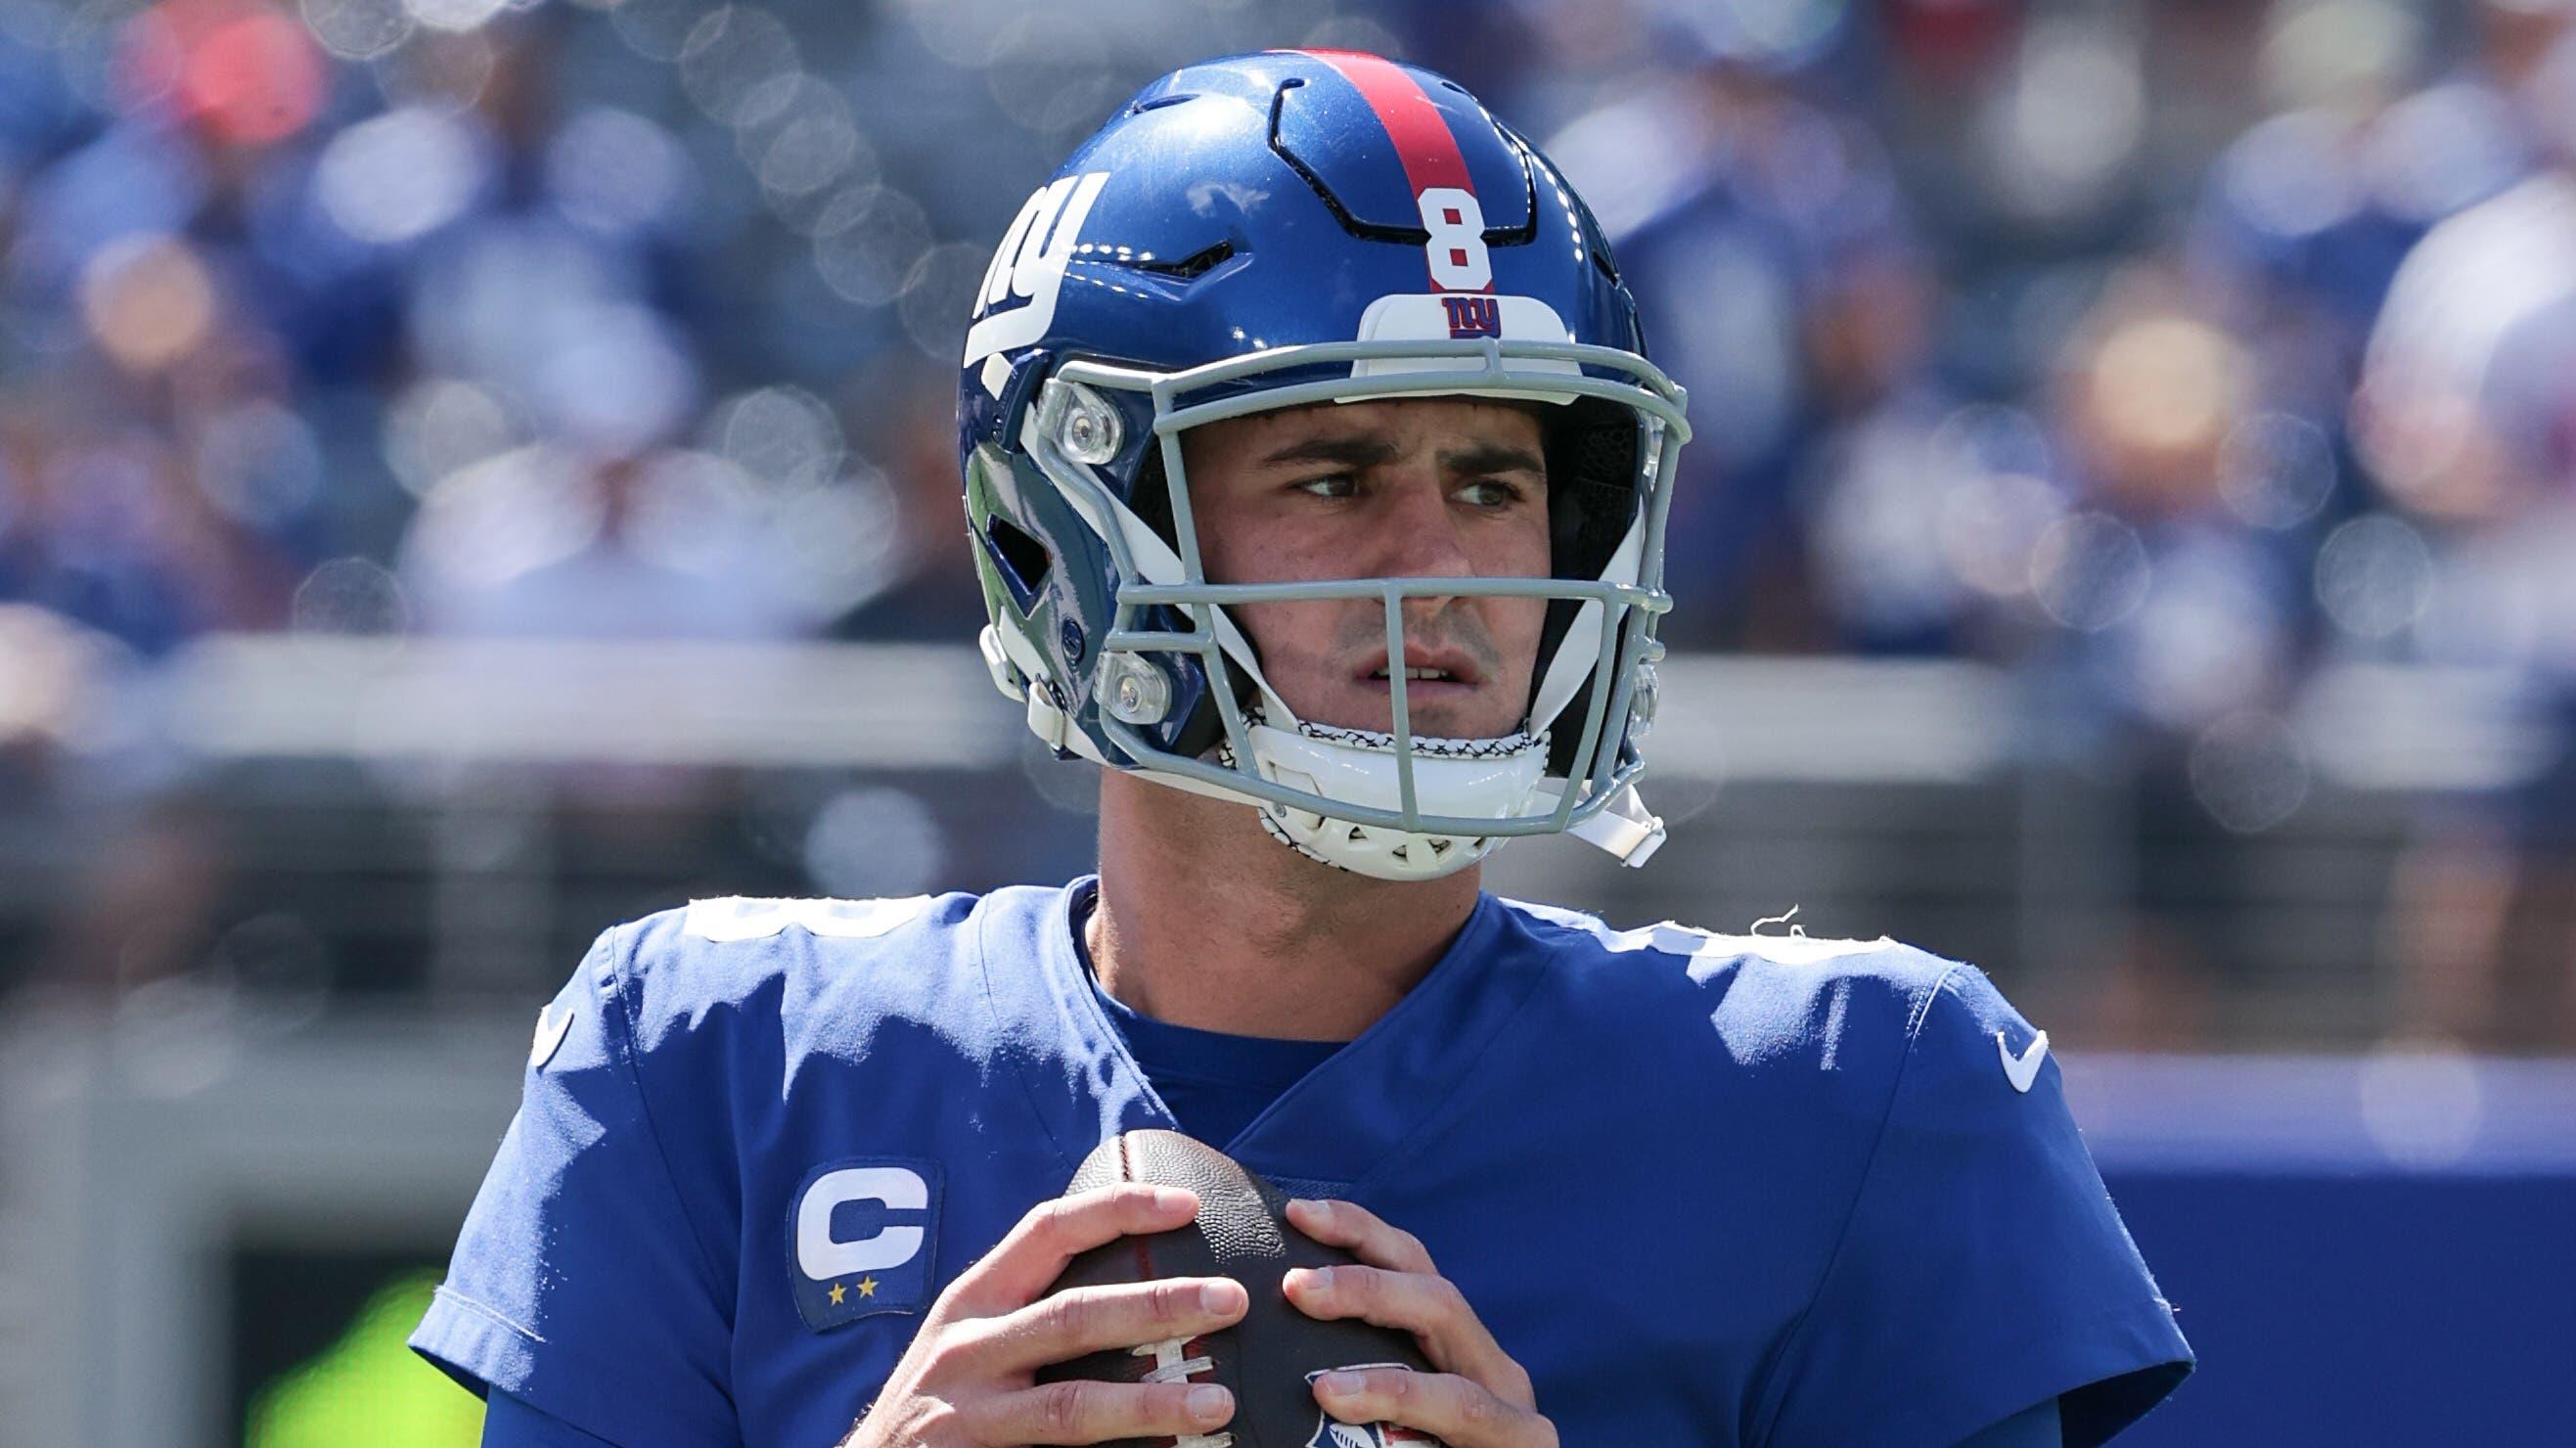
(1348, 1119)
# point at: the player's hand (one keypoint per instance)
(969, 1380)
(1479, 1398)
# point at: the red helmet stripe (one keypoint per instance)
(1420, 132)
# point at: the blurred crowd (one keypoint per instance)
(2165, 352)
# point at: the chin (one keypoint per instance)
(1442, 726)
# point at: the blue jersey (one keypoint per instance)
(1706, 1189)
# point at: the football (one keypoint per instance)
(1267, 1359)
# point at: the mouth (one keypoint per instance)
(1428, 673)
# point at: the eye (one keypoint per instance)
(1331, 485)
(1493, 493)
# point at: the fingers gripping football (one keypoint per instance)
(1461, 1413)
(969, 1378)
(1479, 1398)
(1084, 1320)
(1033, 1253)
(1093, 1412)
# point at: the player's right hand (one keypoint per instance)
(969, 1380)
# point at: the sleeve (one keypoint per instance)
(2033, 1427)
(514, 1423)
(579, 1284)
(1982, 1267)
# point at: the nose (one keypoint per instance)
(1418, 537)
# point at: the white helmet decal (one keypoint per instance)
(1030, 263)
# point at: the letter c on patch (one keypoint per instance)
(823, 1258)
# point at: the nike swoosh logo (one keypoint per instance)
(2023, 1069)
(551, 1026)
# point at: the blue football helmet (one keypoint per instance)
(1272, 231)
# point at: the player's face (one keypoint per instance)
(1429, 487)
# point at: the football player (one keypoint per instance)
(1317, 478)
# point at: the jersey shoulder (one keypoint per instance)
(1646, 962)
(784, 966)
(1780, 1004)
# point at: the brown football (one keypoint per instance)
(1270, 1357)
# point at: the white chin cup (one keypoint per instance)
(1475, 778)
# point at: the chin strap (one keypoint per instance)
(1624, 828)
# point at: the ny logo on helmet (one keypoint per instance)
(1030, 264)
(1474, 316)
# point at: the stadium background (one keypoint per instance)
(473, 471)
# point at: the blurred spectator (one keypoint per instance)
(1763, 233)
(2177, 613)
(539, 542)
(2464, 412)
(103, 886)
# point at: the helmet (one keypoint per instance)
(1270, 231)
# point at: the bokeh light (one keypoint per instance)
(616, 172)
(399, 176)
(2444, 149)
(866, 243)
(1989, 526)
(2163, 383)
(2069, 124)
(2209, 639)
(731, 62)
(1051, 75)
(350, 596)
(2090, 571)
(148, 300)
(1764, 33)
(876, 842)
(453, 15)
(48, 670)
(260, 463)
(783, 435)
(836, 543)
(616, 382)
(245, 73)
(446, 71)
(657, 29)
(2422, 1105)
(965, 33)
(802, 139)
(938, 295)
(2342, 53)
(358, 29)
(440, 425)
(2276, 470)
(2374, 576)
(2250, 772)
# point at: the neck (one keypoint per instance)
(1206, 921)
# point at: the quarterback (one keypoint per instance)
(1317, 478)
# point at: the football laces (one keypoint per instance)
(1173, 1364)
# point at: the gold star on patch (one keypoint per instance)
(867, 1287)
(837, 1292)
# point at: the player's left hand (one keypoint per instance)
(1479, 1398)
